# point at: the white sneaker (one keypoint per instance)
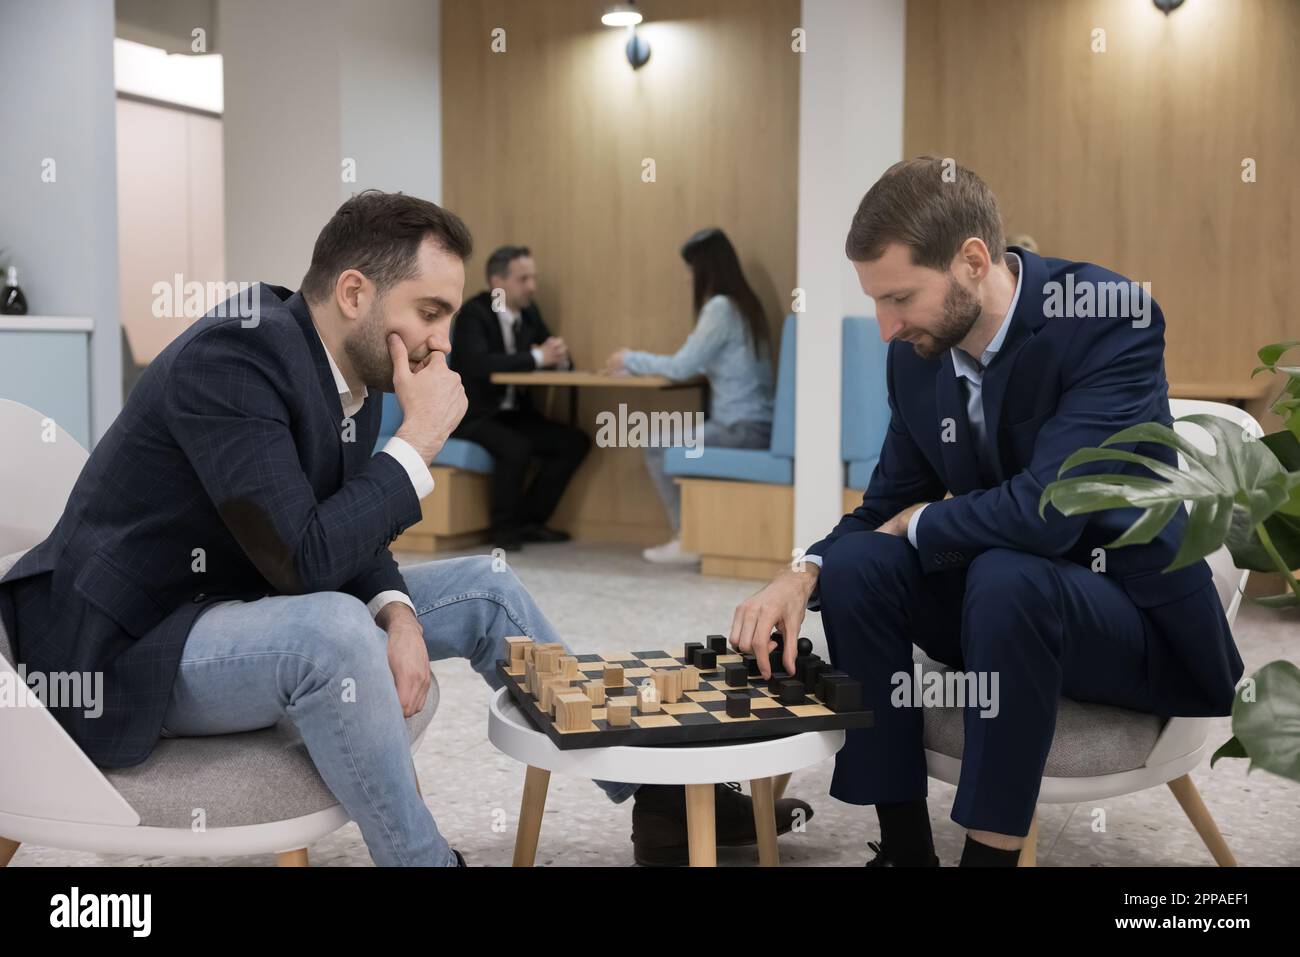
(670, 553)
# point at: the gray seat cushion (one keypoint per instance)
(1090, 739)
(237, 779)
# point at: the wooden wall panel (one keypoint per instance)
(1132, 158)
(543, 145)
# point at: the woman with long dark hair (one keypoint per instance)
(730, 345)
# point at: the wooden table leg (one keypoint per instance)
(8, 849)
(779, 785)
(530, 816)
(701, 833)
(760, 790)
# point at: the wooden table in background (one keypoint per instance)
(591, 380)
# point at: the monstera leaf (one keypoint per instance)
(1287, 404)
(1240, 495)
(1266, 722)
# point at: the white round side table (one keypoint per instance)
(698, 767)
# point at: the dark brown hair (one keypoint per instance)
(930, 205)
(498, 264)
(379, 234)
(716, 271)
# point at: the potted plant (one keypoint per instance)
(1245, 495)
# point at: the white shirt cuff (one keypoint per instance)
(538, 358)
(814, 559)
(911, 524)
(409, 459)
(387, 597)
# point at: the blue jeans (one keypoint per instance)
(321, 661)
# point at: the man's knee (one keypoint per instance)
(1005, 589)
(864, 564)
(343, 637)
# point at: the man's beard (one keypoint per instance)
(367, 350)
(961, 309)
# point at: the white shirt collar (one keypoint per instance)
(351, 403)
(962, 364)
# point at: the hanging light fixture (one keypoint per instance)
(627, 15)
(1167, 6)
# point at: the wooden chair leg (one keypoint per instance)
(701, 833)
(1190, 800)
(536, 781)
(1029, 850)
(295, 858)
(8, 849)
(779, 784)
(760, 790)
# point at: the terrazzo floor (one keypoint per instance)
(595, 593)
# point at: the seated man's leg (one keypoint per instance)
(321, 661)
(469, 606)
(875, 602)
(511, 451)
(1045, 628)
(559, 450)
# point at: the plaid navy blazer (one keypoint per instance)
(233, 442)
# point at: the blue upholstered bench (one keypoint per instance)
(773, 465)
(864, 400)
(456, 454)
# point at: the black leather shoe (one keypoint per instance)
(659, 821)
(882, 858)
(507, 541)
(542, 534)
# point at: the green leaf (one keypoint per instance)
(1271, 353)
(1230, 491)
(1269, 726)
(1232, 748)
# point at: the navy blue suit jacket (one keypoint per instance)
(233, 442)
(1056, 385)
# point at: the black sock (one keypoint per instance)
(905, 832)
(975, 854)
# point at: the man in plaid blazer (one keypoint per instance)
(223, 559)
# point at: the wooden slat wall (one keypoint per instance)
(1132, 158)
(543, 145)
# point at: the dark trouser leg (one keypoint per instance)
(559, 450)
(875, 601)
(1045, 628)
(511, 450)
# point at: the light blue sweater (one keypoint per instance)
(718, 348)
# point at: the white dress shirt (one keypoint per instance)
(972, 372)
(508, 317)
(416, 468)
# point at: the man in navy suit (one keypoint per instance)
(1000, 365)
(223, 559)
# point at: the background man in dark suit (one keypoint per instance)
(990, 390)
(501, 330)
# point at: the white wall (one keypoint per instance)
(850, 131)
(309, 84)
(56, 70)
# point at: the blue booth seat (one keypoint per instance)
(774, 465)
(456, 454)
(864, 399)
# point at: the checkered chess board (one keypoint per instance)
(699, 717)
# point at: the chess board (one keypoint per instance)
(699, 717)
